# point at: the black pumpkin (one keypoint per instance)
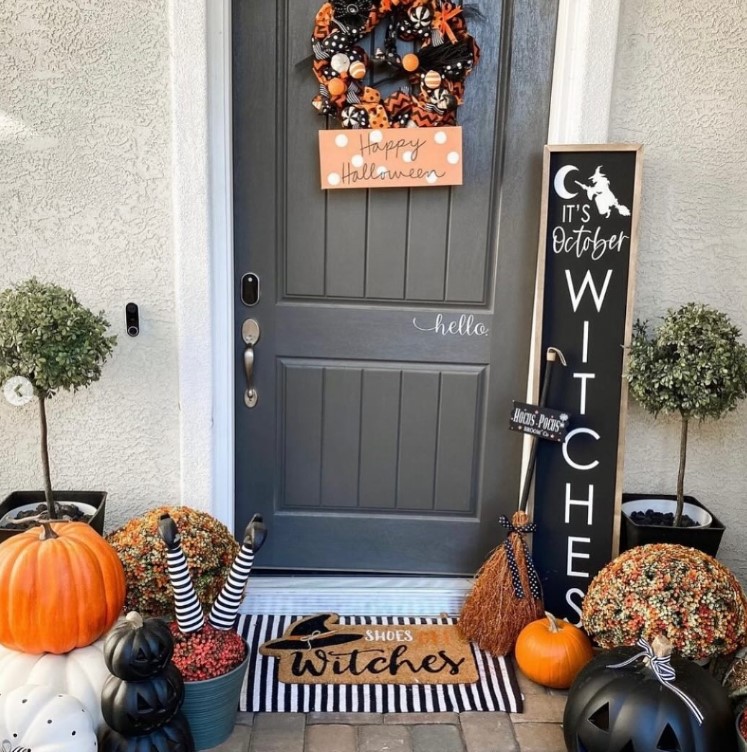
(138, 648)
(175, 736)
(629, 710)
(138, 707)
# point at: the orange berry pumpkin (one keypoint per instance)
(551, 651)
(61, 587)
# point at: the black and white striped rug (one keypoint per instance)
(263, 693)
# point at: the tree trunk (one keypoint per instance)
(45, 458)
(681, 473)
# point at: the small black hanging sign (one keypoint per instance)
(542, 422)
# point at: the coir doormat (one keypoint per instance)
(410, 665)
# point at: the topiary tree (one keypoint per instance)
(49, 338)
(694, 364)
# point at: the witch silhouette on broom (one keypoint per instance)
(600, 192)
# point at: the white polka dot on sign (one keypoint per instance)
(452, 157)
(375, 137)
(333, 178)
(341, 140)
(407, 156)
(381, 170)
(440, 137)
(357, 160)
(431, 177)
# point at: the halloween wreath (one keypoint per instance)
(444, 55)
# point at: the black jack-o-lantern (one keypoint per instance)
(629, 709)
(175, 736)
(137, 707)
(138, 648)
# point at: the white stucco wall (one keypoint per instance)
(85, 201)
(681, 89)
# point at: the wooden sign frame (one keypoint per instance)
(585, 288)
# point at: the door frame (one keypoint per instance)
(202, 189)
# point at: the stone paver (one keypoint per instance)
(537, 729)
(413, 719)
(436, 738)
(540, 737)
(330, 738)
(351, 719)
(384, 739)
(278, 732)
(239, 741)
(540, 708)
(488, 732)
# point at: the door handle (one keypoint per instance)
(250, 335)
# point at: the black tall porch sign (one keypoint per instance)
(588, 235)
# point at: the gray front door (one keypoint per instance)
(394, 323)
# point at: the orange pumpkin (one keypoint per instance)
(61, 587)
(551, 652)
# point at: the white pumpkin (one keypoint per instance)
(80, 673)
(40, 719)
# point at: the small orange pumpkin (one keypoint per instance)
(61, 587)
(551, 652)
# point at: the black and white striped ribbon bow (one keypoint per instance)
(662, 668)
(534, 583)
(8, 747)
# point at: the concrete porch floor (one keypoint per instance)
(537, 729)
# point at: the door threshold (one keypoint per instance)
(355, 595)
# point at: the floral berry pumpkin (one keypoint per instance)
(175, 736)
(137, 707)
(81, 673)
(62, 586)
(36, 718)
(138, 648)
(623, 706)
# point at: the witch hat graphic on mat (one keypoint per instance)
(187, 607)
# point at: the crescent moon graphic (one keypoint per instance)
(559, 182)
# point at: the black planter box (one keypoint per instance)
(706, 539)
(19, 498)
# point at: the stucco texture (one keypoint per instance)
(85, 202)
(681, 90)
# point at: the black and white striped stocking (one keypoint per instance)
(223, 613)
(187, 607)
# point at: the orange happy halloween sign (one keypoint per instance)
(391, 157)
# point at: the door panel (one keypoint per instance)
(395, 323)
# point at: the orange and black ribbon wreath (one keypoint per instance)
(443, 55)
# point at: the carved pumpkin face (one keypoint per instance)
(175, 736)
(137, 707)
(137, 648)
(629, 710)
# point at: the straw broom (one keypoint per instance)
(507, 594)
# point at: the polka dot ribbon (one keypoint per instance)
(534, 584)
(662, 668)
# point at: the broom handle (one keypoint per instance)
(551, 356)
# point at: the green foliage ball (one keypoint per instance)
(47, 336)
(694, 363)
